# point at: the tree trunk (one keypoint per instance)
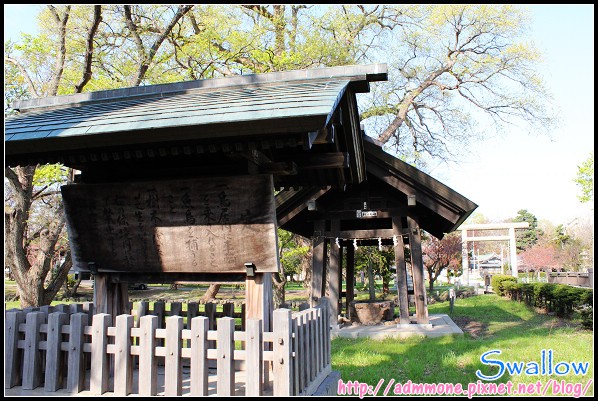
(211, 293)
(432, 280)
(278, 285)
(385, 285)
(371, 282)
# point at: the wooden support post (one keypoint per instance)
(282, 370)
(225, 386)
(401, 271)
(254, 351)
(108, 297)
(350, 279)
(318, 279)
(32, 369)
(54, 355)
(259, 305)
(259, 298)
(12, 354)
(148, 365)
(199, 356)
(99, 357)
(419, 285)
(173, 367)
(335, 277)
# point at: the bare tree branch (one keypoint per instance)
(25, 74)
(59, 65)
(97, 18)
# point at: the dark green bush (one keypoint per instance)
(561, 299)
(498, 280)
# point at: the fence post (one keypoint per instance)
(199, 356)
(210, 313)
(173, 367)
(76, 308)
(176, 309)
(318, 339)
(243, 316)
(226, 361)
(64, 308)
(282, 369)
(160, 311)
(12, 354)
(148, 366)
(47, 309)
(326, 336)
(54, 355)
(254, 350)
(295, 349)
(192, 311)
(75, 379)
(123, 360)
(228, 309)
(303, 354)
(32, 369)
(99, 357)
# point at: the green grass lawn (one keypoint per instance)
(494, 323)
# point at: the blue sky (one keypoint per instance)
(516, 171)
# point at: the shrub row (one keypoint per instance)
(498, 281)
(561, 299)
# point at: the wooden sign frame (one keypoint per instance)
(195, 225)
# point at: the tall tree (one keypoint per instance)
(440, 255)
(34, 234)
(526, 238)
(585, 180)
(441, 57)
(452, 67)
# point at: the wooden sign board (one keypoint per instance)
(199, 225)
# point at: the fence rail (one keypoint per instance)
(66, 348)
(573, 278)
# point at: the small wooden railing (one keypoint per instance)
(62, 350)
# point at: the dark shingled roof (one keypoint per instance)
(439, 209)
(250, 105)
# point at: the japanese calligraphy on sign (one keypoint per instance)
(197, 225)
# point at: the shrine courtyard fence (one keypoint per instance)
(69, 347)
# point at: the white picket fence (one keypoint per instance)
(61, 350)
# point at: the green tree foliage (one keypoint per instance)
(529, 236)
(585, 180)
(440, 57)
(293, 253)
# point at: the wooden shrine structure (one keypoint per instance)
(388, 208)
(177, 180)
(176, 183)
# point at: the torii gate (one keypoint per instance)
(497, 226)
